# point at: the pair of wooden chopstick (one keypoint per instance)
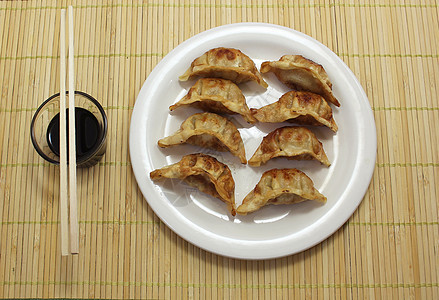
(74, 228)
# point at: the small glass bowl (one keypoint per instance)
(49, 109)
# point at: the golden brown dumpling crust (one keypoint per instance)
(216, 95)
(208, 130)
(292, 142)
(304, 108)
(227, 63)
(205, 173)
(280, 186)
(300, 73)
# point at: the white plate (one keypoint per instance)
(273, 231)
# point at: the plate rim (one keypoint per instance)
(212, 245)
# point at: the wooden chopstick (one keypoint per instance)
(62, 139)
(74, 234)
(68, 191)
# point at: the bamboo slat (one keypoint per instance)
(386, 250)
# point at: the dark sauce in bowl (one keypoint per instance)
(87, 133)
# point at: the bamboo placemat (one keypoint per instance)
(387, 250)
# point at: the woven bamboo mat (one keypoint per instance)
(387, 250)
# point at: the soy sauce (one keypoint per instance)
(87, 133)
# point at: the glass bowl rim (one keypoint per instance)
(32, 126)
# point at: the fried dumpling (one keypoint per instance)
(280, 186)
(300, 73)
(298, 107)
(208, 130)
(216, 95)
(297, 143)
(205, 173)
(227, 63)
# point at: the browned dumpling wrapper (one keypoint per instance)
(297, 143)
(300, 73)
(280, 186)
(208, 130)
(216, 95)
(205, 173)
(304, 108)
(227, 63)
